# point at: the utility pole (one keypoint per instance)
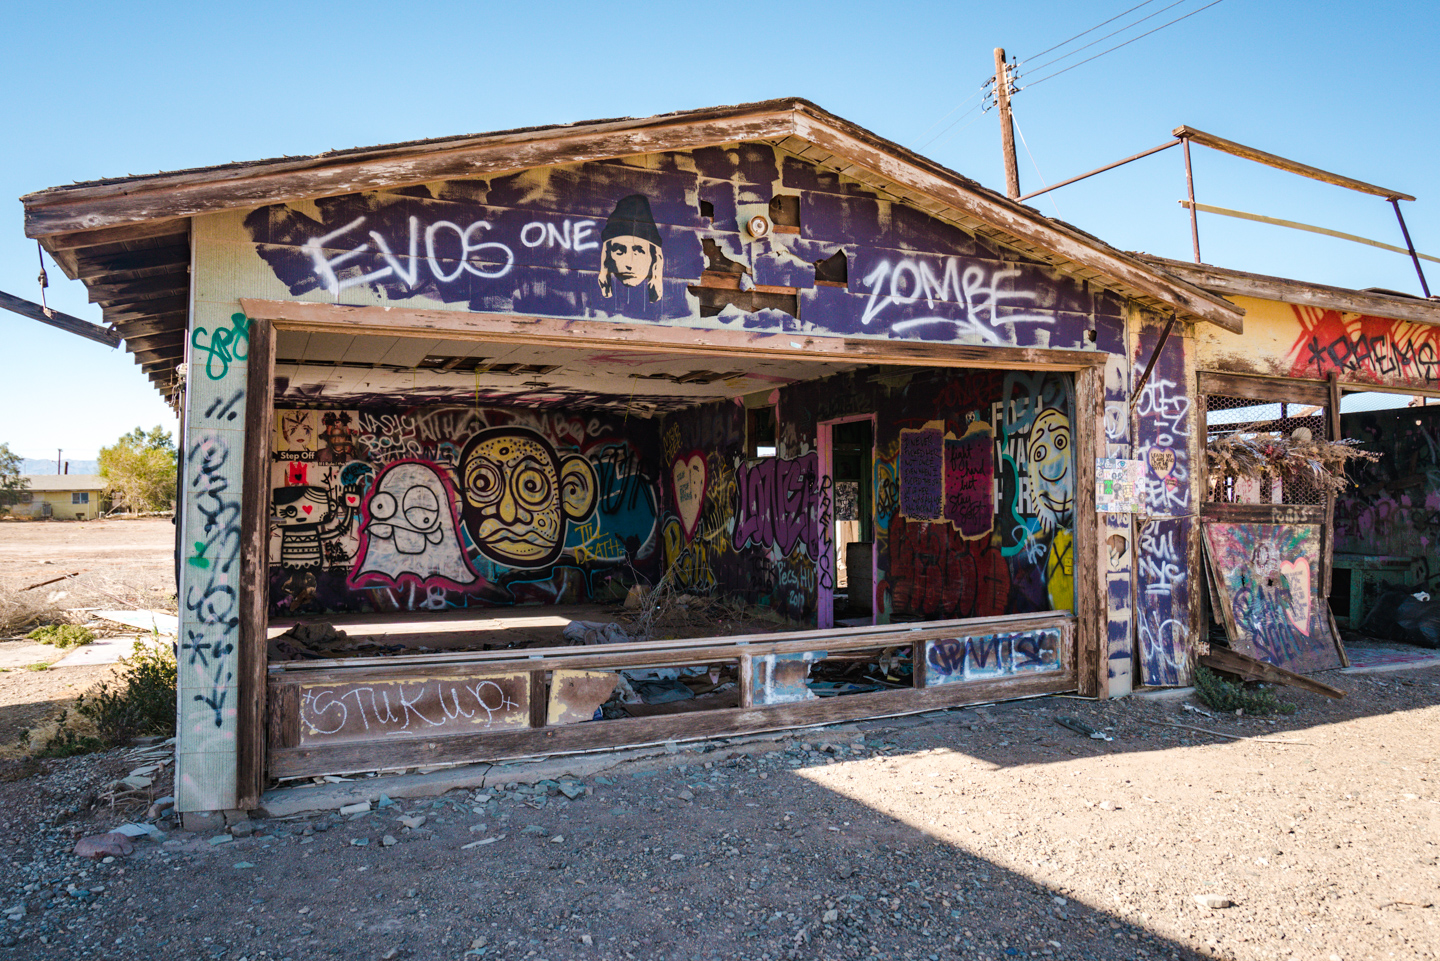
(58, 454)
(1007, 125)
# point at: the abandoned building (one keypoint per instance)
(466, 400)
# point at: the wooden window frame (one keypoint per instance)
(1084, 656)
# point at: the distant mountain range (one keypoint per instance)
(38, 465)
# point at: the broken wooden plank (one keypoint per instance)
(1233, 662)
(64, 321)
(575, 696)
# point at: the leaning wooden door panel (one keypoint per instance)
(1267, 577)
(413, 707)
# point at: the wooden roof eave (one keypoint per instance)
(1223, 281)
(115, 205)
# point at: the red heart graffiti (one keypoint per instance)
(307, 508)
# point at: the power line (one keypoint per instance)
(1091, 30)
(1065, 56)
(952, 124)
(1119, 45)
(1033, 163)
(955, 108)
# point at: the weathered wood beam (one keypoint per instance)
(619, 335)
(1238, 283)
(156, 324)
(1234, 662)
(156, 342)
(146, 230)
(64, 321)
(160, 285)
(139, 310)
(70, 209)
(1282, 163)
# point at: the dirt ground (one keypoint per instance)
(984, 833)
(121, 563)
(987, 833)
(133, 559)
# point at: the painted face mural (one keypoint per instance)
(411, 530)
(630, 249)
(520, 494)
(338, 436)
(1048, 467)
(297, 430)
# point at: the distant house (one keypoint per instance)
(65, 496)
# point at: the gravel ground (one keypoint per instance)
(989, 833)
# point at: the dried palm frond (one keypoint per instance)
(1255, 455)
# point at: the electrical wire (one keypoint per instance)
(1091, 30)
(1066, 56)
(961, 130)
(955, 108)
(1026, 145)
(1119, 45)
(952, 124)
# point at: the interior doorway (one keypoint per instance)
(847, 458)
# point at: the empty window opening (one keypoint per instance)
(833, 271)
(785, 214)
(760, 432)
(707, 210)
(724, 284)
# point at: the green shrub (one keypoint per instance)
(1229, 696)
(141, 704)
(63, 636)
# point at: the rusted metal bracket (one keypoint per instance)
(1154, 356)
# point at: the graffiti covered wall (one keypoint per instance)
(1164, 440)
(973, 492)
(1392, 507)
(642, 240)
(1286, 340)
(441, 508)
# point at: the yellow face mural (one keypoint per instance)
(1049, 469)
(519, 495)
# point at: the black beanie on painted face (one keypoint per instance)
(632, 218)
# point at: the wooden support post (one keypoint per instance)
(1007, 125)
(253, 655)
(539, 699)
(747, 681)
(1190, 191)
(920, 672)
(1092, 664)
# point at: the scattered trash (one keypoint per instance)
(1080, 727)
(1197, 710)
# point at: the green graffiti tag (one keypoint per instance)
(226, 345)
(200, 560)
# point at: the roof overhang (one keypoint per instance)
(128, 238)
(1233, 283)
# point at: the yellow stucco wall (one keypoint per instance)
(60, 505)
(1285, 340)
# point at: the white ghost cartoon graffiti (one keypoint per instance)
(411, 530)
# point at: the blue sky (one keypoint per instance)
(97, 90)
